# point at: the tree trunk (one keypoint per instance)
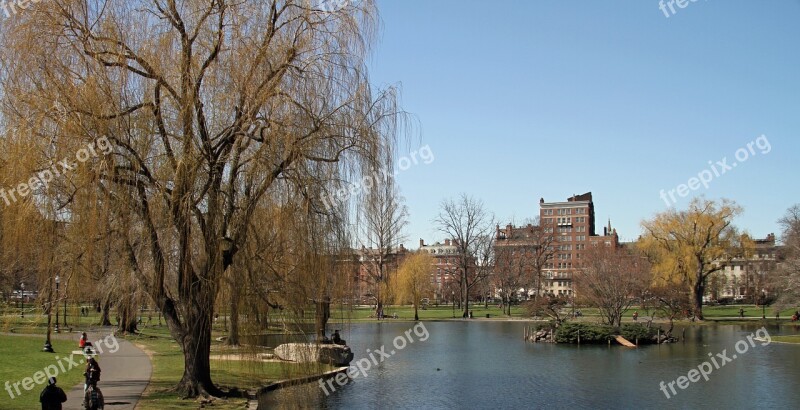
(126, 310)
(196, 345)
(416, 312)
(127, 320)
(105, 311)
(323, 313)
(697, 298)
(466, 297)
(233, 336)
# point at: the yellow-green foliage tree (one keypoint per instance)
(414, 280)
(688, 246)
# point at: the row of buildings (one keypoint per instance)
(565, 231)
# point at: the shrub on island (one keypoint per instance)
(596, 333)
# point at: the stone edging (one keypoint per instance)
(252, 403)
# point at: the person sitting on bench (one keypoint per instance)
(85, 344)
(337, 339)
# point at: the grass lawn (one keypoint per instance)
(167, 361)
(22, 357)
(431, 313)
(795, 339)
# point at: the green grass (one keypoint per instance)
(794, 339)
(441, 312)
(750, 311)
(167, 361)
(21, 357)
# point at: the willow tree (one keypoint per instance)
(413, 281)
(689, 246)
(208, 107)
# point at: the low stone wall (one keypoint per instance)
(336, 355)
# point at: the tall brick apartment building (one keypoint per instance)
(571, 224)
(445, 266)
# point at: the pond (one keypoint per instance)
(483, 364)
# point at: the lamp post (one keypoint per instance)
(763, 304)
(453, 300)
(65, 304)
(22, 301)
(47, 346)
(58, 281)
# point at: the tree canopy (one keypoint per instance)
(688, 246)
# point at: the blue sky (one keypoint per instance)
(526, 99)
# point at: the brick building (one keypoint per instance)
(746, 279)
(445, 265)
(368, 260)
(571, 225)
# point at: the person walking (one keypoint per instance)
(52, 396)
(92, 373)
(93, 398)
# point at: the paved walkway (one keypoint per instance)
(124, 375)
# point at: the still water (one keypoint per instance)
(487, 365)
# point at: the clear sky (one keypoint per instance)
(526, 99)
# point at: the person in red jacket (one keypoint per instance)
(85, 344)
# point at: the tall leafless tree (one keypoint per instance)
(611, 279)
(384, 216)
(470, 226)
(512, 271)
(787, 278)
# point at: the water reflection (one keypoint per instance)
(487, 365)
